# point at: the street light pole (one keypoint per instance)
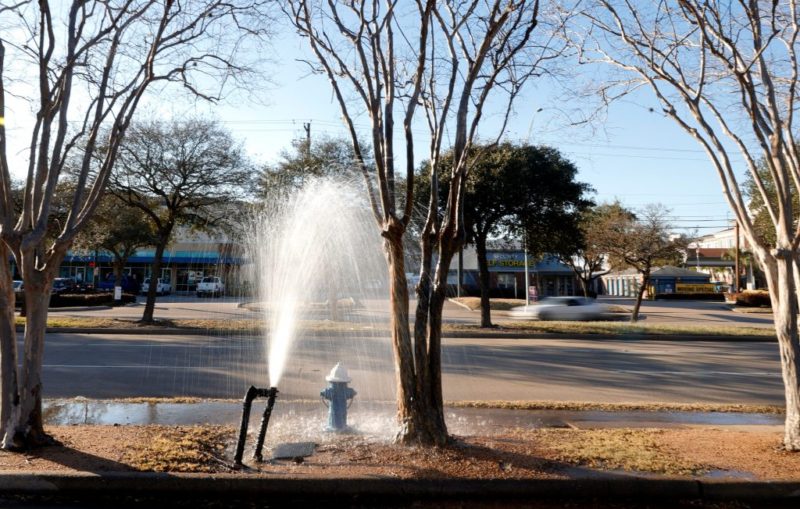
(527, 281)
(736, 260)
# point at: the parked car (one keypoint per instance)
(129, 284)
(562, 308)
(210, 285)
(19, 290)
(63, 285)
(84, 287)
(162, 287)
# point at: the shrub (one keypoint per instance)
(87, 299)
(690, 296)
(753, 298)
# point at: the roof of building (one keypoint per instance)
(671, 271)
(662, 272)
(706, 252)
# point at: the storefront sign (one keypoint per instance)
(695, 288)
(500, 260)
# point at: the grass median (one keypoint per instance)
(510, 329)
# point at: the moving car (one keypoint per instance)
(162, 287)
(210, 285)
(562, 308)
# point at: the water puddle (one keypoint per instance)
(298, 418)
(737, 475)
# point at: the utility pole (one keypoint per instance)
(307, 129)
(527, 276)
(460, 270)
(736, 259)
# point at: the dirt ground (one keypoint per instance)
(514, 454)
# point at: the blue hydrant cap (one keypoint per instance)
(338, 374)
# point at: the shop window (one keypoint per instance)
(506, 281)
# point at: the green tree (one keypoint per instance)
(513, 189)
(321, 157)
(762, 222)
(179, 173)
(118, 229)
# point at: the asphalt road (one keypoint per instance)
(111, 366)
(701, 313)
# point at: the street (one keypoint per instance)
(700, 313)
(113, 366)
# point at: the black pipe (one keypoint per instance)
(271, 394)
(247, 403)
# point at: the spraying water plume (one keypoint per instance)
(317, 254)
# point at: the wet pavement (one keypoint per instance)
(307, 418)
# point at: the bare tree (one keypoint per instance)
(727, 73)
(581, 249)
(640, 242)
(90, 64)
(451, 57)
(178, 173)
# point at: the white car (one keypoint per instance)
(162, 287)
(562, 308)
(210, 285)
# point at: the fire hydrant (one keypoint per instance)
(339, 394)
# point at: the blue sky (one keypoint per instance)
(635, 155)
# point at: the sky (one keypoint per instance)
(634, 155)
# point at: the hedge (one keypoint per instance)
(690, 296)
(85, 299)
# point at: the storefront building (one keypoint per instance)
(507, 275)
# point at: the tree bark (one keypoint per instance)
(640, 296)
(9, 389)
(118, 266)
(28, 426)
(584, 286)
(423, 292)
(782, 286)
(150, 304)
(408, 408)
(483, 278)
(437, 428)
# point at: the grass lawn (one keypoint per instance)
(616, 328)
(530, 327)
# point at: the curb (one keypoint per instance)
(450, 335)
(315, 488)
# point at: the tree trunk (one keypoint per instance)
(150, 304)
(423, 292)
(483, 277)
(584, 286)
(28, 427)
(333, 303)
(409, 410)
(640, 295)
(118, 266)
(9, 389)
(435, 401)
(782, 286)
